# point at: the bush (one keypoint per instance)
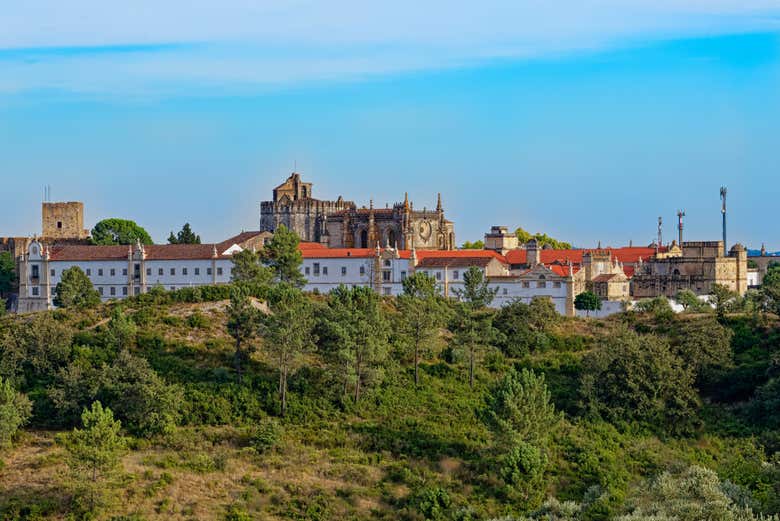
(15, 410)
(267, 436)
(198, 321)
(522, 469)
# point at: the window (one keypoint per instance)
(541, 284)
(386, 291)
(307, 270)
(136, 290)
(403, 275)
(100, 272)
(184, 271)
(148, 272)
(526, 284)
(208, 271)
(52, 273)
(387, 263)
(455, 275)
(316, 269)
(124, 272)
(197, 271)
(438, 275)
(556, 284)
(35, 291)
(100, 290)
(112, 291)
(504, 291)
(160, 272)
(35, 271)
(173, 288)
(343, 271)
(59, 225)
(113, 272)
(386, 275)
(89, 272)
(219, 271)
(324, 270)
(362, 270)
(173, 271)
(124, 290)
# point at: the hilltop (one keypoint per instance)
(204, 446)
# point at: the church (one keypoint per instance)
(341, 224)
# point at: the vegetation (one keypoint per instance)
(185, 236)
(282, 255)
(476, 245)
(119, 231)
(7, 274)
(587, 301)
(75, 290)
(542, 239)
(515, 414)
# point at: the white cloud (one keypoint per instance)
(245, 43)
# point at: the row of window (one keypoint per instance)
(160, 272)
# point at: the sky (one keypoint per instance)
(584, 120)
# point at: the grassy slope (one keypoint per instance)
(343, 462)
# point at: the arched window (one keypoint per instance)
(364, 239)
(391, 238)
(541, 277)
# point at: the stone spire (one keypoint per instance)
(438, 203)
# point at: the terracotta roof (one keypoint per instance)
(423, 254)
(454, 262)
(625, 255)
(153, 252)
(604, 277)
(237, 239)
(339, 253)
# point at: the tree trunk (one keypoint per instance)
(357, 378)
(417, 363)
(237, 361)
(284, 392)
(471, 367)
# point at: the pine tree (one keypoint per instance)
(282, 255)
(15, 410)
(420, 314)
(287, 333)
(241, 325)
(75, 290)
(185, 236)
(94, 451)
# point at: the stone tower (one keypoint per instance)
(63, 221)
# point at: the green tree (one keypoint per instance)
(287, 333)
(7, 274)
(476, 245)
(185, 236)
(119, 231)
(519, 408)
(282, 255)
(35, 348)
(139, 397)
(94, 452)
(75, 290)
(587, 301)
(242, 326)
(248, 268)
(639, 377)
(357, 322)
(689, 301)
(476, 292)
(721, 296)
(473, 333)
(15, 410)
(120, 331)
(421, 315)
(704, 345)
(542, 239)
(770, 287)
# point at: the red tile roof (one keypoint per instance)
(626, 255)
(454, 262)
(339, 253)
(153, 252)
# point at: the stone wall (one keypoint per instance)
(63, 220)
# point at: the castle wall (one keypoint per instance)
(63, 220)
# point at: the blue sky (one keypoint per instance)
(583, 121)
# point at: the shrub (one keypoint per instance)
(266, 436)
(15, 410)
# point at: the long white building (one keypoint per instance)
(121, 271)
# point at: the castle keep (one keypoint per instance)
(341, 224)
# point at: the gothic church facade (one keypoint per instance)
(341, 224)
